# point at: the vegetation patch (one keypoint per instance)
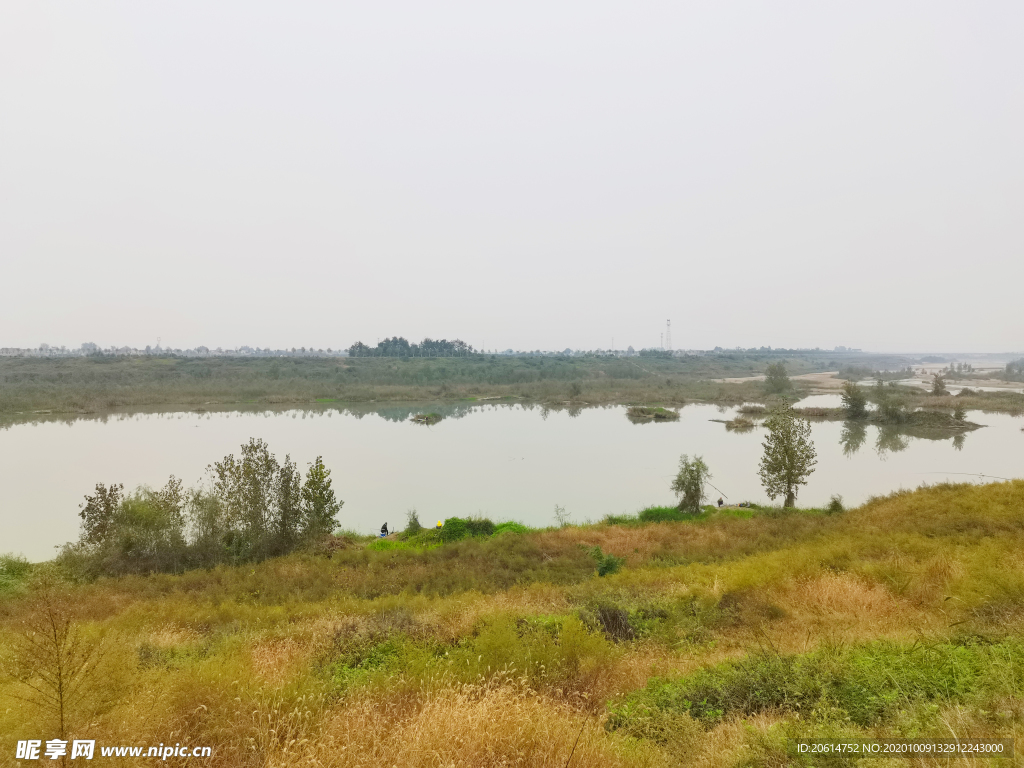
(740, 424)
(643, 413)
(14, 572)
(869, 683)
(427, 418)
(511, 527)
(458, 528)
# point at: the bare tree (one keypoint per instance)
(52, 663)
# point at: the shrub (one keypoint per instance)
(510, 527)
(892, 410)
(662, 515)
(480, 527)
(412, 526)
(606, 564)
(835, 505)
(14, 570)
(457, 528)
(454, 529)
(855, 401)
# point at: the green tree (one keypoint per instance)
(287, 516)
(855, 401)
(960, 413)
(689, 483)
(319, 505)
(247, 487)
(99, 511)
(939, 385)
(776, 380)
(789, 455)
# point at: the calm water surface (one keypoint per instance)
(503, 461)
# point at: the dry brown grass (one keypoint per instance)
(842, 607)
(204, 660)
(470, 726)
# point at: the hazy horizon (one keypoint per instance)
(528, 176)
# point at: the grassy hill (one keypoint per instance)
(717, 639)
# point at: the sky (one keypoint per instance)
(528, 175)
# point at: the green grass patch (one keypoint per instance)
(869, 683)
(14, 572)
(660, 514)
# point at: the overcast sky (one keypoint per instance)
(526, 175)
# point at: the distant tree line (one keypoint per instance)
(1015, 370)
(254, 507)
(398, 346)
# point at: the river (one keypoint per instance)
(508, 462)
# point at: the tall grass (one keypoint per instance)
(902, 617)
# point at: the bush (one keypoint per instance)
(835, 505)
(510, 527)
(454, 529)
(457, 528)
(480, 527)
(606, 564)
(662, 515)
(855, 401)
(14, 570)
(893, 410)
(412, 526)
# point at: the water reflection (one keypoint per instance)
(853, 436)
(891, 440)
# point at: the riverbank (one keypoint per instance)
(31, 386)
(511, 648)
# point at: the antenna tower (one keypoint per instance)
(668, 335)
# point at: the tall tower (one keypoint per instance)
(668, 335)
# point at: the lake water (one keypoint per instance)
(507, 462)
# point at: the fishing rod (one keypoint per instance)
(972, 474)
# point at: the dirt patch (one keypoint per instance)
(820, 383)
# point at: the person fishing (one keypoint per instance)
(720, 502)
(384, 530)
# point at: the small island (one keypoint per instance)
(427, 418)
(642, 413)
